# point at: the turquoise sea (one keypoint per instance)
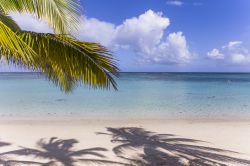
(140, 95)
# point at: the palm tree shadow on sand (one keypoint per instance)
(167, 149)
(2, 144)
(58, 151)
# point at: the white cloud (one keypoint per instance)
(95, 30)
(234, 52)
(173, 50)
(144, 35)
(233, 44)
(144, 31)
(215, 54)
(240, 58)
(30, 23)
(175, 3)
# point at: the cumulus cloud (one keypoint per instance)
(234, 52)
(175, 3)
(215, 54)
(171, 51)
(94, 30)
(30, 23)
(148, 27)
(144, 31)
(144, 35)
(233, 44)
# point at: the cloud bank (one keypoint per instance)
(144, 35)
(234, 52)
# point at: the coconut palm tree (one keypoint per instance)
(65, 60)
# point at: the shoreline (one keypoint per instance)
(123, 119)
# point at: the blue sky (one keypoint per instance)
(167, 35)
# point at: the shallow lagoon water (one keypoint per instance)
(140, 95)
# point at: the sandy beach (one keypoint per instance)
(124, 142)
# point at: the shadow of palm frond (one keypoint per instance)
(6, 162)
(167, 149)
(2, 161)
(4, 144)
(59, 151)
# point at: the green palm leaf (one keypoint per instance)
(62, 15)
(66, 61)
(8, 21)
(11, 45)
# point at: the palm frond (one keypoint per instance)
(62, 15)
(11, 45)
(67, 61)
(8, 21)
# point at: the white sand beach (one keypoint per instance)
(124, 142)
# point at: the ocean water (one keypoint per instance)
(140, 95)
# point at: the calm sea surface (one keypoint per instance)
(140, 95)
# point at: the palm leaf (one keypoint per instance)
(62, 15)
(11, 45)
(66, 61)
(8, 21)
